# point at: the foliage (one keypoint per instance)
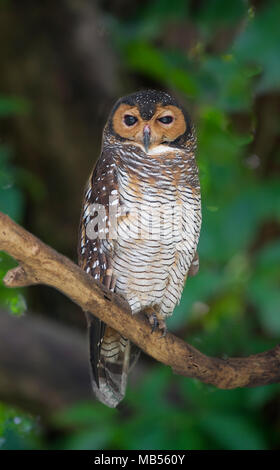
(232, 306)
(199, 417)
(17, 430)
(15, 427)
(11, 203)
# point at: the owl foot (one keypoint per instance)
(163, 328)
(157, 323)
(154, 322)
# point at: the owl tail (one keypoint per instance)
(111, 358)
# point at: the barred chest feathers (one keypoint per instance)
(157, 227)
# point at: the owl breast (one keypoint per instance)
(158, 224)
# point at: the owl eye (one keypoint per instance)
(166, 119)
(130, 120)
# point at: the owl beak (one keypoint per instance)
(146, 137)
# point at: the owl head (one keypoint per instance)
(148, 119)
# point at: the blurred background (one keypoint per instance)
(62, 67)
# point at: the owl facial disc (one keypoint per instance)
(149, 119)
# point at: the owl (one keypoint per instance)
(140, 224)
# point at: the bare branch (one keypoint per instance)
(40, 264)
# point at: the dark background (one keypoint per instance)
(63, 64)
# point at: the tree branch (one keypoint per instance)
(40, 264)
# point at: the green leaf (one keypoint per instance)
(11, 299)
(259, 45)
(231, 83)
(233, 431)
(9, 106)
(220, 13)
(143, 57)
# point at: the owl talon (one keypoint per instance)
(157, 324)
(154, 322)
(163, 328)
(164, 331)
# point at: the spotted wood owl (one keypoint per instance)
(140, 224)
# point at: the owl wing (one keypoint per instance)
(92, 257)
(111, 355)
